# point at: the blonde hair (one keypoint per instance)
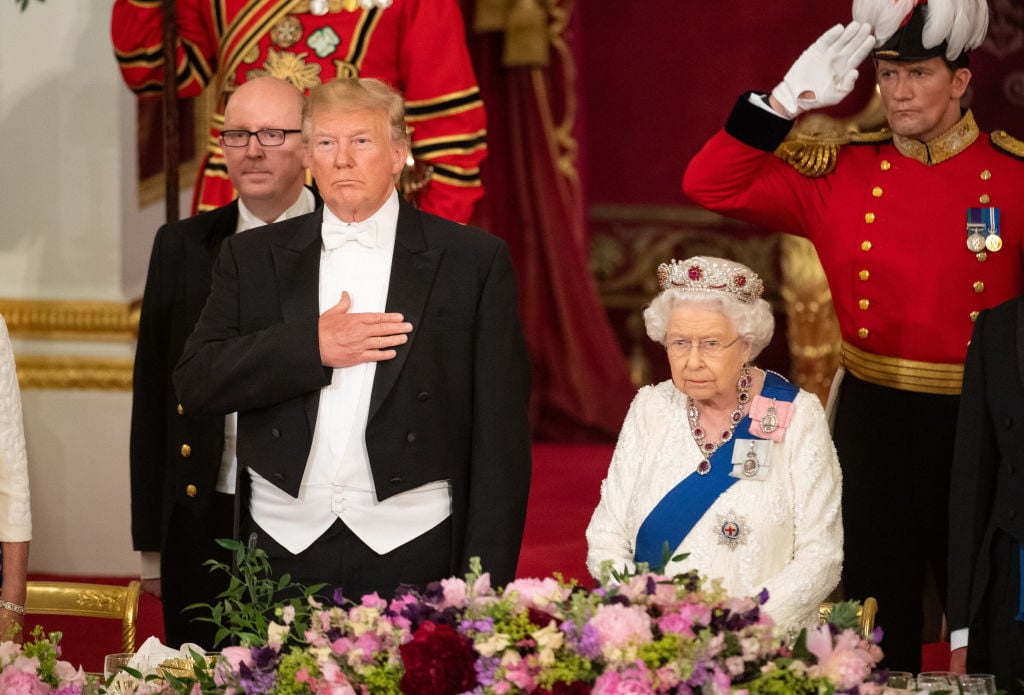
(348, 94)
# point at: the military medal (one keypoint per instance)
(975, 239)
(750, 464)
(770, 422)
(983, 231)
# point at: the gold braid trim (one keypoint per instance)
(900, 373)
(815, 154)
(1005, 142)
(812, 154)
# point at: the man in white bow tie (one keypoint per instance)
(377, 362)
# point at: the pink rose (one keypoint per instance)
(536, 593)
(15, 682)
(454, 592)
(619, 626)
(634, 681)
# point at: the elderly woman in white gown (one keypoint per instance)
(15, 514)
(727, 463)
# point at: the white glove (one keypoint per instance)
(825, 72)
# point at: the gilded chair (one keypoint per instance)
(866, 613)
(88, 601)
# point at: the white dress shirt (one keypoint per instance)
(337, 482)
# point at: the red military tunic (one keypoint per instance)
(891, 234)
(416, 46)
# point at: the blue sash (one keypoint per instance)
(682, 507)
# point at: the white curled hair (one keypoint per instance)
(753, 321)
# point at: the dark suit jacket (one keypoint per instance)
(987, 487)
(176, 290)
(451, 406)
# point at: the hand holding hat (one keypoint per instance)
(826, 72)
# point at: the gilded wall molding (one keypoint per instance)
(74, 373)
(71, 320)
(54, 320)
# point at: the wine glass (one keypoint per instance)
(978, 684)
(115, 663)
(902, 681)
(934, 681)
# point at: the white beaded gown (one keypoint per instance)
(791, 521)
(15, 512)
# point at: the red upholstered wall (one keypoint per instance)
(659, 78)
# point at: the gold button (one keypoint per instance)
(986, 175)
(885, 165)
(982, 256)
(864, 304)
(186, 451)
(864, 274)
(862, 333)
(974, 316)
(865, 246)
(877, 191)
(869, 217)
(191, 490)
(181, 409)
(985, 199)
(979, 287)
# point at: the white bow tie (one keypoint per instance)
(336, 234)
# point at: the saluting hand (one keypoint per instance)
(825, 72)
(348, 339)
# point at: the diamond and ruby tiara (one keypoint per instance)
(711, 275)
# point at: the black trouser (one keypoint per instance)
(185, 579)
(895, 448)
(996, 639)
(341, 560)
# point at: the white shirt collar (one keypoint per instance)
(386, 220)
(303, 204)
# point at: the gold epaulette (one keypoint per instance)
(815, 154)
(1004, 142)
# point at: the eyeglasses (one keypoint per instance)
(706, 348)
(268, 137)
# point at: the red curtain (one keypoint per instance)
(534, 200)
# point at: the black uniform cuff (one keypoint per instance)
(755, 127)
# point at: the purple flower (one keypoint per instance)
(339, 597)
(261, 676)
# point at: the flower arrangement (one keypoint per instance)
(646, 633)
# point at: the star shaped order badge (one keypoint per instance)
(732, 529)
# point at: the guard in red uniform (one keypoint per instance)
(418, 46)
(918, 228)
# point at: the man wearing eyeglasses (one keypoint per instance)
(183, 466)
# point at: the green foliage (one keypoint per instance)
(245, 609)
(844, 615)
(381, 680)
(786, 682)
(44, 647)
(23, 3)
(293, 662)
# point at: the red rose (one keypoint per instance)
(438, 661)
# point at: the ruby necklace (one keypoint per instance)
(693, 415)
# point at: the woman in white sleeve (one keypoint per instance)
(727, 463)
(15, 514)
